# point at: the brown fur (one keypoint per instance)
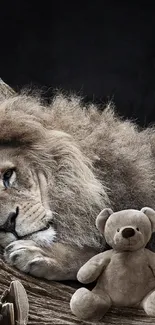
(90, 160)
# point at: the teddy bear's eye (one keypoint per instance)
(137, 229)
(118, 229)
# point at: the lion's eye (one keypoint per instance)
(6, 177)
(118, 229)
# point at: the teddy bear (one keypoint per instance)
(125, 274)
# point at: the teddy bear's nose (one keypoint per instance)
(128, 232)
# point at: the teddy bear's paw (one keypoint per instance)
(148, 304)
(87, 305)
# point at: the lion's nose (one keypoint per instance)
(9, 225)
(128, 232)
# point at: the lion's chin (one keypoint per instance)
(44, 238)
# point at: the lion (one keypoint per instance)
(60, 165)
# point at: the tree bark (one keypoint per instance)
(49, 301)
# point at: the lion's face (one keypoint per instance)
(45, 176)
(23, 205)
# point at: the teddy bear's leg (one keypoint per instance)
(148, 303)
(86, 304)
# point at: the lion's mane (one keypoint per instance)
(91, 159)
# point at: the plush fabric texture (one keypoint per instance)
(125, 274)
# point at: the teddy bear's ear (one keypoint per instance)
(150, 213)
(102, 218)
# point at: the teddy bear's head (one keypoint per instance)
(126, 230)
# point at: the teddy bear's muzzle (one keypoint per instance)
(128, 232)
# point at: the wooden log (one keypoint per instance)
(49, 300)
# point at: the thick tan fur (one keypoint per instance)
(90, 160)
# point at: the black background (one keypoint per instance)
(100, 49)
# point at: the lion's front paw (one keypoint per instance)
(27, 257)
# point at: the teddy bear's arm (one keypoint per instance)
(151, 260)
(91, 270)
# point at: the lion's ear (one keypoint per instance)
(150, 213)
(102, 218)
(5, 90)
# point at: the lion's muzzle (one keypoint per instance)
(10, 223)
